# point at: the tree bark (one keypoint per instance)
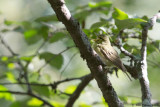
(93, 61)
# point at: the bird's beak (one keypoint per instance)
(94, 40)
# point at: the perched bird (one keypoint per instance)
(108, 54)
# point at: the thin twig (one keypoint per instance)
(7, 46)
(68, 64)
(54, 84)
(29, 94)
(19, 62)
(124, 51)
(37, 51)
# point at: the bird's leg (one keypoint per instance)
(106, 69)
(116, 70)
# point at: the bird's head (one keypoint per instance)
(103, 39)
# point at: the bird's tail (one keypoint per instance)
(128, 75)
(125, 71)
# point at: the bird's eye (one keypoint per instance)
(101, 38)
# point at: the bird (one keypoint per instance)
(108, 54)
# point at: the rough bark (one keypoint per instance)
(87, 53)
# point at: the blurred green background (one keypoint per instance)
(22, 10)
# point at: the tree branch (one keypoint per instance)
(53, 85)
(125, 52)
(30, 94)
(87, 53)
(79, 89)
(146, 95)
(131, 69)
(68, 64)
(24, 68)
(7, 46)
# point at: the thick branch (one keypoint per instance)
(146, 95)
(86, 52)
(79, 89)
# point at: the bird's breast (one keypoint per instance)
(107, 62)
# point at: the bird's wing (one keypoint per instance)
(113, 56)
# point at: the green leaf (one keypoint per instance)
(34, 102)
(7, 22)
(84, 105)
(145, 18)
(99, 24)
(4, 58)
(30, 33)
(104, 102)
(135, 101)
(57, 104)
(41, 90)
(11, 66)
(150, 48)
(100, 4)
(70, 89)
(129, 23)
(31, 36)
(87, 32)
(6, 96)
(20, 103)
(119, 14)
(57, 36)
(54, 60)
(47, 18)
(43, 31)
(123, 98)
(26, 58)
(25, 24)
(10, 77)
(102, 7)
(16, 104)
(81, 15)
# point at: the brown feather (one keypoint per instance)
(111, 54)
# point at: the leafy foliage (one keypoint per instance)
(44, 36)
(6, 96)
(119, 14)
(54, 60)
(57, 36)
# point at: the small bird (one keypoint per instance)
(108, 54)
